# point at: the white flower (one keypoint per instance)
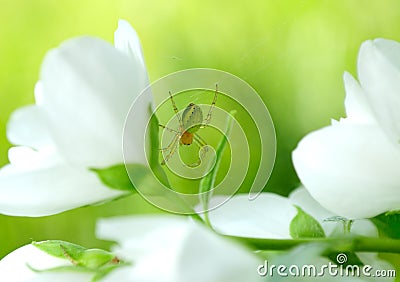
(352, 167)
(85, 90)
(14, 267)
(170, 248)
(270, 215)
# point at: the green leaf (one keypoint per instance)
(76, 254)
(304, 225)
(388, 224)
(95, 258)
(64, 268)
(155, 149)
(58, 248)
(116, 177)
(97, 261)
(208, 181)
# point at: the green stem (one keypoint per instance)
(198, 218)
(207, 182)
(207, 220)
(352, 244)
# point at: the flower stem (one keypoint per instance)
(347, 226)
(351, 244)
(207, 183)
(207, 220)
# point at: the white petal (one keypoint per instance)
(170, 248)
(358, 109)
(14, 267)
(63, 276)
(146, 241)
(30, 159)
(27, 126)
(145, 224)
(208, 257)
(127, 41)
(268, 216)
(379, 74)
(39, 93)
(48, 190)
(350, 170)
(88, 87)
(364, 227)
(125, 274)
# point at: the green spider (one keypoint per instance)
(191, 121)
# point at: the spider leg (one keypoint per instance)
(177, 134)
(169, 129)
(172, 147)
(208, 118)
(170, 144)
(176, 110)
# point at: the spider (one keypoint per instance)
(191, 121)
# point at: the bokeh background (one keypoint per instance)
(292, 52)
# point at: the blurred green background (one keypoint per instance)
(292, 52)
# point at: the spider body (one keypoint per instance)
(192, 120)
(186, 138)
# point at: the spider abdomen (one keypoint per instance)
(192, 119)
(186, 138)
